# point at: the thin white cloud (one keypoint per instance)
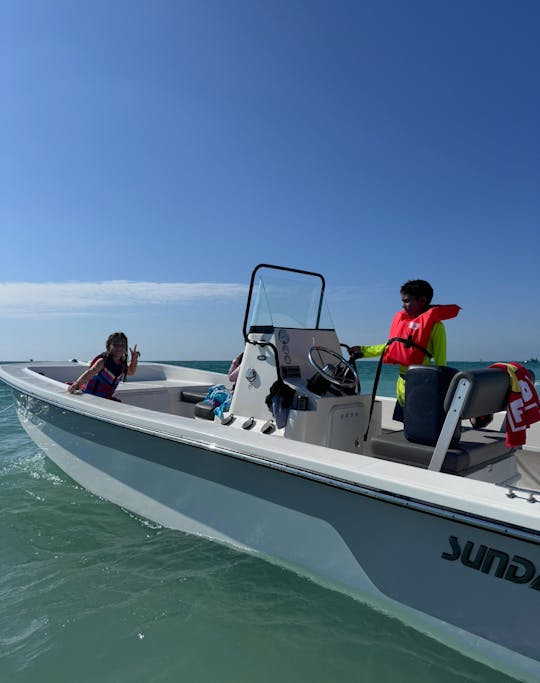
(69, 299)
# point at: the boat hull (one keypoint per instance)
(442, 571)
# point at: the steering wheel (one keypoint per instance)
(342, 374)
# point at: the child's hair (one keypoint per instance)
(418, 288)
(116, 337)
(120, 337)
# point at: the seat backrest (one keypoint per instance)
(488, 391)
(424, 409)
(470, 394)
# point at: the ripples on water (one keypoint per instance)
(89, 592)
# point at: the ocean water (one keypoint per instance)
(91, 593)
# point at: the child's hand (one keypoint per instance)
(356, 352)
(134, 352)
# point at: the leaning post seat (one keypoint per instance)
(470, 394)
(424, 412)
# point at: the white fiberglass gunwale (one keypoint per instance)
(461, 499)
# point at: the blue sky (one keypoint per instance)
(152, 153)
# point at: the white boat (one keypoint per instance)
(443, 534)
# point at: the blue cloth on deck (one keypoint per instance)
(220, 397)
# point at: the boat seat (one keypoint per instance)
(475, 450)
(204, 410)
(194, 394)
(470, 394)
(424, 413)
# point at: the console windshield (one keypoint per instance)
(282, 297)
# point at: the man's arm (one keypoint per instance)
(437, 344)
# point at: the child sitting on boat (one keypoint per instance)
(108, 368)
(234, 369)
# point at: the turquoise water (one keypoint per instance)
(92, 593)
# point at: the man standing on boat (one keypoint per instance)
(417, 336)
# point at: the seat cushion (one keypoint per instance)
(204, 410)
(424, 412)
(475, 450)
(194, 394)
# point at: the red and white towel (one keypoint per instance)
(523, 408)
